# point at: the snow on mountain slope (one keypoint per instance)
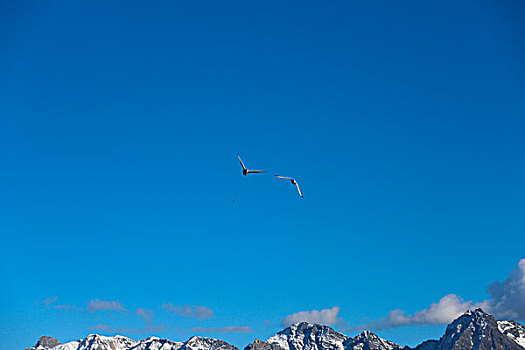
(369, 341)
(118, 342)
(306, 336)
(513, 330)
(72, 345)
(200, 343)
(155, 343)
(474, 330)
(100, 342)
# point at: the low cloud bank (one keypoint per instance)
(507, 301)
(103, 305)
(447, 309)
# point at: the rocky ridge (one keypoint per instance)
(474, 330)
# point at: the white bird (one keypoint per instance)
(294, 182)
(246, 171)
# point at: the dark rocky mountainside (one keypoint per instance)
(474, 330)
(46, 342)
(262, 345)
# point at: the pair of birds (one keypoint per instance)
(246, 172)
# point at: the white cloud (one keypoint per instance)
(507, 302)
(145, 330)
(67, 307)
(227, 329)
(146, 315)
(102, 305)
(447, 309)
(325, 317)
(192, 311)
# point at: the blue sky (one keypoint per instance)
(403, 123)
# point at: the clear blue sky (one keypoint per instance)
(404, 123)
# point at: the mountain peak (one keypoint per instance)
(477, 317)
(262, 345)
(306, 325)
(156, 343)
(368, 340)
(201, 343)
(46, 342)
(474, 330)
(308, 336)
(367, 334)
(97, 341)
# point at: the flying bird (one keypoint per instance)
(294, 182)
(246, 171)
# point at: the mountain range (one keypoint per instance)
(474, 330)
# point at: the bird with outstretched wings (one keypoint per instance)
(246, 171)
(293, 181)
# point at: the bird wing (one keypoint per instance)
(242, 164)
(283, 177)
(256, 171)
(298, 189)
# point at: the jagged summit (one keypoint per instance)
(307, 336)
(156, 343)
(201, 343)
(368, 340)
(310, 328)
(96, 341)
(474, 330)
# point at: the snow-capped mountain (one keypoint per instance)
(91, 342)
(200, 343)
(95, 341)
(154, 343)
(474, 330)
(118, 342)
(513, 330)
(306, 336)
(369, 341)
